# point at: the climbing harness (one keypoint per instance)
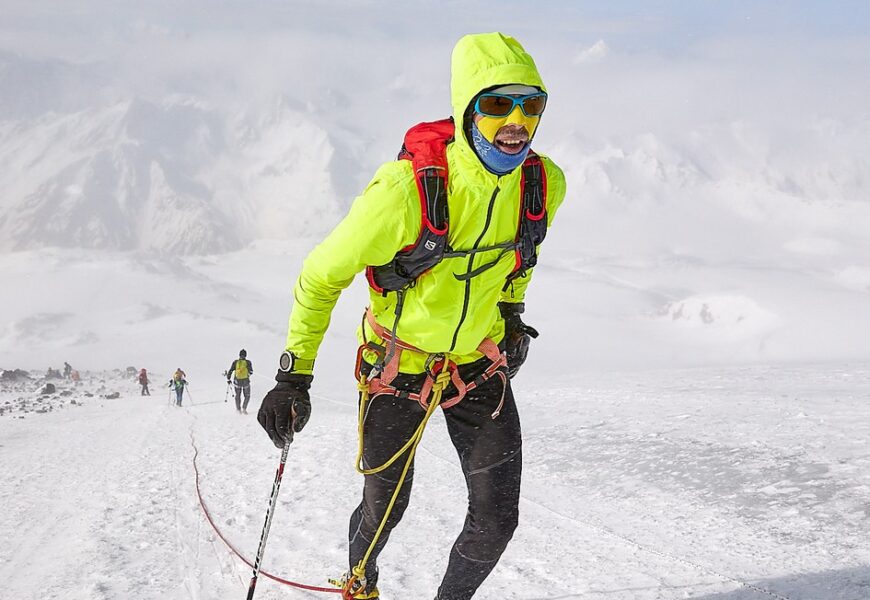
(380, 379)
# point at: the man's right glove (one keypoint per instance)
(286, 408)
(517, 335)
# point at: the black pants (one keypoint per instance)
(490, 454)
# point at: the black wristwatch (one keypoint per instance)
(290, 363)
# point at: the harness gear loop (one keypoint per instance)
(356, 581)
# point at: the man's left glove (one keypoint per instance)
(517, 335)
(286, 408)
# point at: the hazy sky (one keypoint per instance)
(661, 25)
(742, 55)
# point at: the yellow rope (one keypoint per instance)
(441, 382)
(364, 391)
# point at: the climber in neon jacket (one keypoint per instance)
(452, 314)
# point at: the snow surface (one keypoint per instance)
(712, 484)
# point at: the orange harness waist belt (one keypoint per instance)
(388, 367)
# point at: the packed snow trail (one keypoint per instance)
(742, 484)
(97, 504)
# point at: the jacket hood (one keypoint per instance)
(482, 61)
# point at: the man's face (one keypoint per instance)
(509, 137)
(509, 133)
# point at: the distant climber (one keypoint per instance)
(178, 382)
(143, 381)
(241, 370)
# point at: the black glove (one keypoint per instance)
(286, 408)
(517, 335)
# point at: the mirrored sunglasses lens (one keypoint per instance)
(495, 106)
(534, 106)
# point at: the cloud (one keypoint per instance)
(594, 53)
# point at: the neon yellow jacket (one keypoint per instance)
(441, 314)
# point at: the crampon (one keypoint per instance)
(353, 588)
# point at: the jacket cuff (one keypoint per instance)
(508, 309)
(299, 380)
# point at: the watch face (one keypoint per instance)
(285, 363)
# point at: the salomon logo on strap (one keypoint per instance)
(430, 245)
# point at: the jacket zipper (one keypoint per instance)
(470, 265)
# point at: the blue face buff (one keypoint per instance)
(495, 161)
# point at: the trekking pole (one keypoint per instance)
(189, 395)
(273, 500)
(227, 394)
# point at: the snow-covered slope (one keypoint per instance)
(93, 308)
(734, 484)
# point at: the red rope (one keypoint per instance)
(229, 545)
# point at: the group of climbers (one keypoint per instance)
(177, 384)
(238, 375)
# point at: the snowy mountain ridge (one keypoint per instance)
(90, 162)
(176, 177)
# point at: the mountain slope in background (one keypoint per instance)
(176, 176)
(90, 162)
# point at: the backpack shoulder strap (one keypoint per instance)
(425, 145)
(534, 188)
(532, 227)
